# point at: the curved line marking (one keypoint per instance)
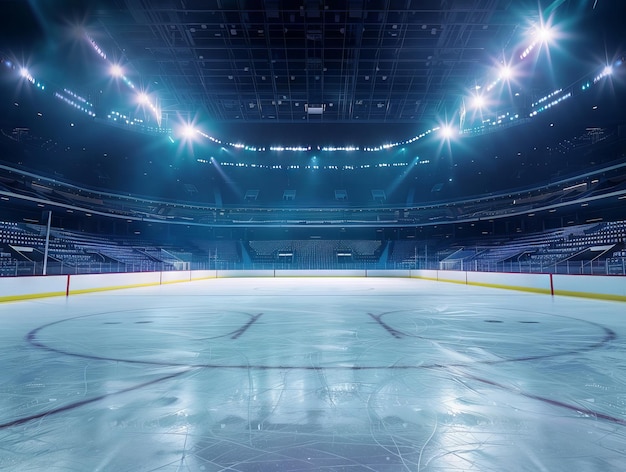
(609, 335)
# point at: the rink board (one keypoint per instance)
(600, 287)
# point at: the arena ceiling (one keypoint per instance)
(341, 60)
(377, 61)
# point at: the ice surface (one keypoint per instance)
(329, 374)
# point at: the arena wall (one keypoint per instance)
(589, 286)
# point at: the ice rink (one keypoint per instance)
(313, 374)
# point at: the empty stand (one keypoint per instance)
(596, 248)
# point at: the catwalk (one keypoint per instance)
(313, 374)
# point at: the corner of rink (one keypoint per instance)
(588, 286)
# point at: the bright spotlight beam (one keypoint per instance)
(506, 72)
(26, 74)
(447, 131)
(478, 101)
(116, 71)
(188, 132)
(542, 34)
(545, 34)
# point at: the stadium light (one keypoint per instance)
(96, 47)
(116, 71)
(143, 98)
(607, 71)
(446, 131)
(506, 72)
(478, 101)
(545, 33)
(188, 131)
(26, 74)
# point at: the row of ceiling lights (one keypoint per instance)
(542, 35)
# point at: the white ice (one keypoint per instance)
(313, 374)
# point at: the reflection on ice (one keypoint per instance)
(313, 374)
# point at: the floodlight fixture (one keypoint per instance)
(545, 33)
(95, 46)
(446, 131)
(116, 70)
(606, 71)
(478, 101)
(143, 98)
(26, 75)
(506, 72)
(188, 131)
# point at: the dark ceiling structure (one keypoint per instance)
(393, 62)
(340, 60)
